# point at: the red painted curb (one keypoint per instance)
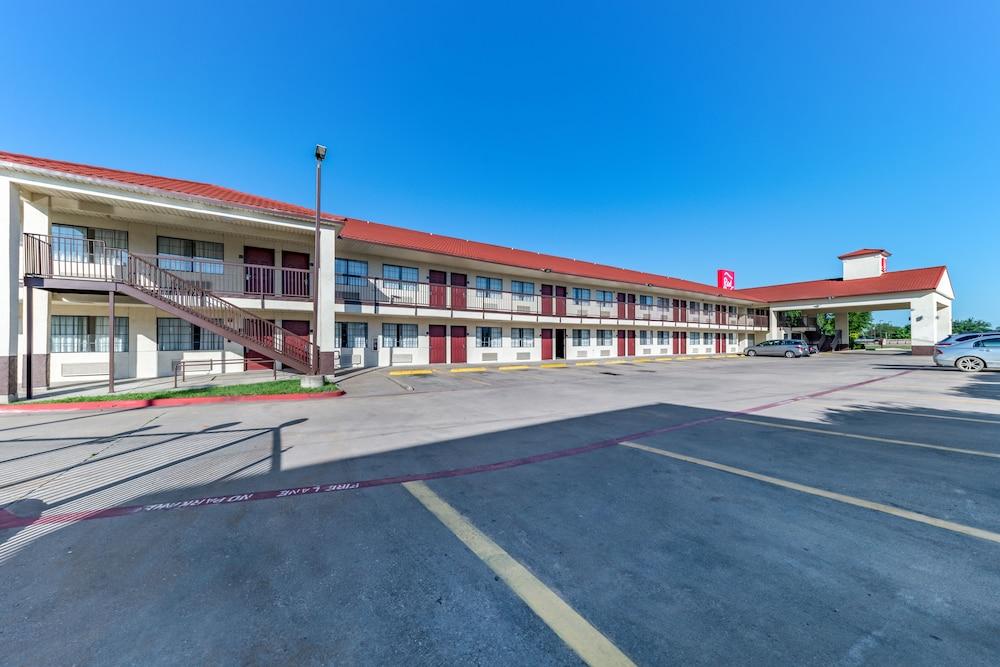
(164, 402)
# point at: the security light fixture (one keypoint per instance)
(320, 152)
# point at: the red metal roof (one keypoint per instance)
(376, 233)
(398, 237)
(205, 191)
(865, 251)
(911, 280)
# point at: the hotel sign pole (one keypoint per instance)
(320, 154)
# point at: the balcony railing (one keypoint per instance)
(235, 279)
(71, 257)
(389, 292)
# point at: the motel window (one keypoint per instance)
(488, 287)
(352, 272)
(663, 338)
(645, 300)
(174, 334)
(604, 296)
(82, 333)
(406, 274)
(581, 337)
(399, 335)
(522, 337)
(694, 338)
(189, 256)
(605, 337)
(352, 334)
(74, 243)
(522, 289)
(581, 295)
(489, 337)
(731, 338)
(645, 337)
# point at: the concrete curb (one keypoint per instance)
(164, 402)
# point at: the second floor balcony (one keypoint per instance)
(89, 259)
(439, 296)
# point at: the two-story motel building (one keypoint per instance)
(175, 271)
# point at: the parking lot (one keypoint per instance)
(841, 509)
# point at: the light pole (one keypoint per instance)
(320, 154)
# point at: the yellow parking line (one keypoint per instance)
(585, 363)
(555, 365)
(514, 368)
(890, 441)
(415, 372)
(641, 361)
(664, 359)
(702, 356)
(583, 638)
(619, 361)
(476, 369)
(829, 495)
(930, 416)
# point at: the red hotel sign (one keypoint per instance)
(726, 278)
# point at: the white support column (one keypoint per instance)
(924, 324)
(842, 321)
(772, 326)
(10, 234)
(36, 221)
(326, 330)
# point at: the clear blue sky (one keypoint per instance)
(763, 137)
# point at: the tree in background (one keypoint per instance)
(887, 330)
(857, 323)
(970, 325)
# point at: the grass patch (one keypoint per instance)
(253, 389)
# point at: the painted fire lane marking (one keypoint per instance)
(823, 493)
(127, 510)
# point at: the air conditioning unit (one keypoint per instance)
(523, 309)
(605, 313)
(581, 354)
(646, 350)
(489, 356)
(524, 356)
(605, 353)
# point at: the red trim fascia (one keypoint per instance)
(165, 402)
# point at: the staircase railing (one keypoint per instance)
(88, 259)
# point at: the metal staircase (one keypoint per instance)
(76, 264)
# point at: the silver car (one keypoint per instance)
(777, 348)
(970, 356)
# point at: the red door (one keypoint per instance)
(439, 295)
(439, 350)
(684, 342)
(546, 343)
(621, 305)
(458, 343)
(718, 313)
(252, 360)
(560, 300)
(631, 307)
(259, 280)
(297, 345)
(621, 342)
(677, 339)
(684, 311)
(294, 273)
(720, 342)
(458, 283)
(631, 342)
(547, 300)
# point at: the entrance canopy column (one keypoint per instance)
(36, 221)
(842, 323)
(929, 318)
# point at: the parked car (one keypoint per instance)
(955, 339)
(809, 348)
(778, 348)
(970, 356)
